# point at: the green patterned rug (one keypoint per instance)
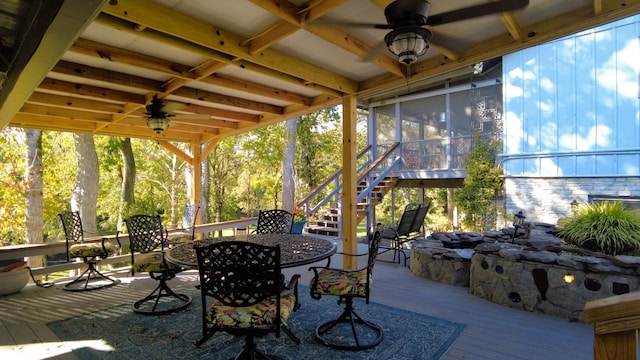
(126, 335)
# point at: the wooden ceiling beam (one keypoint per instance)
(210, 123)
(122, 56)
(223, 113)
(141, 83)
(89, 91)
(256, 89)
(203, 95)
(155, 16)
(58, 112)
(122, 25)
(299, 17)
(70, 102)
(107, 76)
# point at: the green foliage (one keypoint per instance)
(245, 173)
(484, 179)
(608, 227)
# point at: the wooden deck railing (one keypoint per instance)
(59, 247)
(616, 321)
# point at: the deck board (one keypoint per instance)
(493, 331)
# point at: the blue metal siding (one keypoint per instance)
(572, 106)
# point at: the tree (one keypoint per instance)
(12, 187)
(288, 166)
(85, 190)
(34, 191)
(128, 176)
(484, 179)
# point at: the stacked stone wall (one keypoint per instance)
(549, 199)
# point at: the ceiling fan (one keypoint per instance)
(406, 19)
(159, 112)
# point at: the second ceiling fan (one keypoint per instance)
(159, 112)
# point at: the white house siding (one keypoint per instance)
(572, 120)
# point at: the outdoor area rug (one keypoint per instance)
(127, 335)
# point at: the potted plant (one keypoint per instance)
(300, 217)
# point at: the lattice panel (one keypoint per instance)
(145, 233)
(72, 225)
(239, 273)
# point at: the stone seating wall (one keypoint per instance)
(534, 273)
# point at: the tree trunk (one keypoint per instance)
(206, 190)
(128, 177)
(288, 166)
(34, 195)
(217, 188)
(86, 187)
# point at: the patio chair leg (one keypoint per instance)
(91, 274)
(350, 316)
(161, 291)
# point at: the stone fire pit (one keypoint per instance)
(533, 274)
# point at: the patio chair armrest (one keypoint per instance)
(293, 285)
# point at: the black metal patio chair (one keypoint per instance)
(241, 293)
(349, 331)
(409, 228)
(91, 253)
(276, 221)
(147, 237)
(188, 224)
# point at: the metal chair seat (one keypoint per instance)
(349, 331)
(90, 253)
(146, 235)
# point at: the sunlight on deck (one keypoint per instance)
(50, 349)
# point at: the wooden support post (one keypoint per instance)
(349, 177)
(616, 321)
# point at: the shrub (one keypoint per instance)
(607, 227)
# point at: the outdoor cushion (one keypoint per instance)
(259, 316)
(91, 249)
(341, 283)
(152, 262)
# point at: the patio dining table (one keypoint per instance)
(295, 250)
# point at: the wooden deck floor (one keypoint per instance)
(493, 331)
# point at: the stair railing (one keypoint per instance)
(334, 180)
(370, 171)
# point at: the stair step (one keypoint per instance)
(322, 231)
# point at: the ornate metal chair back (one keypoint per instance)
(239, 273)
(146, 233)
(72, 225)
(275, 221)
(189, 216)
(374, 245)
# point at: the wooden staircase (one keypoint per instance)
(328, 223)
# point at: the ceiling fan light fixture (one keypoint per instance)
(408, 43)
(158, 124)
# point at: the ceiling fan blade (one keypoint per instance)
(170, 107)
(476, 11)
(378, 49)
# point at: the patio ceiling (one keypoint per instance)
(238, 64)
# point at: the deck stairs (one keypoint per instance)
(374, 182)
(328, 223)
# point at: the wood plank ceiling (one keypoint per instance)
(236, 65)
